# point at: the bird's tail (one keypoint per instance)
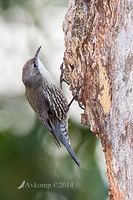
(72, 154)
(62, 134)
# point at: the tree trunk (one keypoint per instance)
(99, 57)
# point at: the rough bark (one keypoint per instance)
(99, 57)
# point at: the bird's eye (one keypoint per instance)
(35, 65)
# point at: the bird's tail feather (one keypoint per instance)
(72, 154)
(65, 141)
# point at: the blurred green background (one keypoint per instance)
(28, 154)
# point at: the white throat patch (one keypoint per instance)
(45, 73)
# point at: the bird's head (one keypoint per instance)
(31, 74)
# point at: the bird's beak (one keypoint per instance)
(36, 54)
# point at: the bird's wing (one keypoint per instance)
(57, 118)
(58, 103)
(58, 108)
(48, 116)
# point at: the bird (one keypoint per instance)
(48, 101)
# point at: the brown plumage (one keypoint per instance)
(48, 101)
